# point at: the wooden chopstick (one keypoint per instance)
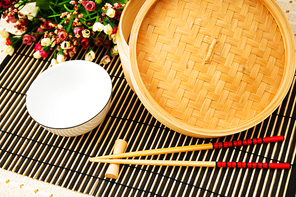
(196, 163)
(192, 148)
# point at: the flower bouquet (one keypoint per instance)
(60, 27)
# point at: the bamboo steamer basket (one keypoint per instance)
(126, 21)
(203, 88)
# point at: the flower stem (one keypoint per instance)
(67, 8)
(64, 2)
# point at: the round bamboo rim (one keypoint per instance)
(272, 95)
(122, 37)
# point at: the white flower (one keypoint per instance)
(4, 35)
(53, 62)
(114, 51)
(116, 5)
(53, 42)
(60, 58)
(9, 50)
(90, 56)
(110, 13)
(30, 9)
(105, 60)
(66, 45)
(107, 6)
(98, 26)
(108, 29)
(37, 55)
(113, 38)
(45, 42)
(85, 33)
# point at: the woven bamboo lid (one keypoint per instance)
(211, 68)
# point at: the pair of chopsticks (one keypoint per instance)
(115, 158)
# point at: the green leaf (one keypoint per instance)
(64, 2)
(70, 25)
(42, 4)
(67, 8)
(114, 1)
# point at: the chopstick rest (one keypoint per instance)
(113, 169)
(192, 148)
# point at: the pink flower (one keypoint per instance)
(38, 47)
(107, 6)
(33, 37)
(89, 5)
(47, 25)
(39, 30)
(71, 53)
(11, 19)
(5, 3)
(43, 53)
(84, 43)
(117, 5)
(8, 42)
(27, 39)
(114, 30)
(105, 60)
(78, 31)
(62, 35)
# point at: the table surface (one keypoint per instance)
(29, 150)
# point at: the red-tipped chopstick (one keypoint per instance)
(197, 163)
(191, 148)
(252, 165)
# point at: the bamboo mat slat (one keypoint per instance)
(29, 150)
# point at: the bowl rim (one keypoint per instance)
(178, 125)
(72, 127)
(80, 124)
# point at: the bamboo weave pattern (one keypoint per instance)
(244, 71)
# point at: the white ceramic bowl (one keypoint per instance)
(71, 98)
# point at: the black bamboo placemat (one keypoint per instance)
(28, 149)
